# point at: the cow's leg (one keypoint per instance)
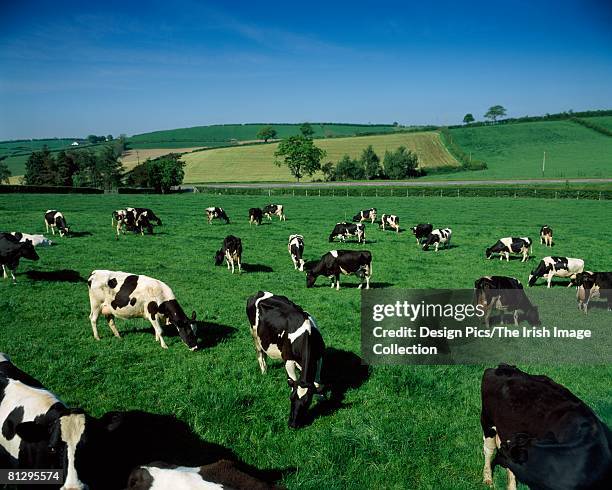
(488, 447)
(302, 265)
(487, 316)
(437, 244)
(516, 317)
(290, 368)
(13, 274)
(511, 484)
(111, 323)
(338, 282)
(93, 317)
(4, 275)
(549, 279)
(239, 265)
(260, 353)
(52, 230)
(158, 332)
(507, 256)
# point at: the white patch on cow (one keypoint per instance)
(180, 478)
(266, 295)
(4, 357)
(305, 327)
(334, 253)
(274, 352)
(301, 392)
(72, 428)
(35, 402)
(507, 241)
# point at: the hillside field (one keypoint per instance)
(130, 158)
(395, 427)
(605, 121)
(256, 163)
(516, 150)
(228, 134)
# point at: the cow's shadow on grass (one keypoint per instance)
(211, 334)
(135, 438)
(341, 371)
(62, 275)
(256, 268)
(79, 234)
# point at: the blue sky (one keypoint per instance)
(75, 68)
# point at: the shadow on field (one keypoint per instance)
(211, 334)
(341, 371)
(63, 275)
(135, 438)
(256, 268)
(79, 234)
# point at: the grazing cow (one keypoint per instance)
(510, 245)
(275, 209)
(151, 216)
(390, 220)
(556, 266)
(421, 231)
(123, 295)
(437, 237)
(222, 474)
(216, 213)
(545, 436)
(134, 221)
(296, 250)
(231, 251)
(117, 216)
(505, 294)
(336, 262)
(255, 216)
(344, 230)
(38, 430)
(37, 240)
(11, 250)
(546, 236)
(54, 219)
(283, 330)
(592, 285)
(366, 215)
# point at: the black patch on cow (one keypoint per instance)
(15, 417)
(112, 283)
(122, 298)
(133, 301)
(152, 308)
(89, 283)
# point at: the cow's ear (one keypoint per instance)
(32, 432)
(193, 316)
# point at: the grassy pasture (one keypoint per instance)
(130, 158)
(256, 163)
(516, 150)
(398, 427)
(605, 121)
(226, 134)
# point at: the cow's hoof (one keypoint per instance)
(488, 481)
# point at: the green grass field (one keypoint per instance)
(605, 121)
(227, 134)
(516, 151)
(399, 426)
(256, 163)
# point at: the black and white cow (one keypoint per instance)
(151, 216)
(133, 220)
(366, 215)
(275, 210)
(54, 219)
(510, 245)
(505, 294)
(283, 330)
(296, 250)
(255, 216)
(122, 295)
(546, 236)
(390, 220)
(545, 436)
(37, 240)
(216, 213)
(556, 266)
(438, 237)
(421, 231)
(336, 262)
(592, 285)
(38, 430)
(117, 216)
(344, 230)
(231, 251)
(219, 475)
(11, 250)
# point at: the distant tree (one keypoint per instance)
(89, 173)
(40, 168)
(5, 173)
(349, 169)
(400, 164)
(266, 133)
(329, 171)
(66, 166)
(300, 155)
(109, 137)
(371, 163)
(165, 171)
(110, 168)
(306, 130)
(395, 124)
(494, 112)
(468, 118)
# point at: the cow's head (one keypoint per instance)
(219, 257)
(301, 397)
(488, 252)
(69, 442)
(28, 251)
(310, 279)
(187, 329)
(533, 317)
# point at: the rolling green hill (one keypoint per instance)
(256, 162)
(605, 121)
(516, 150)
(228, 134)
